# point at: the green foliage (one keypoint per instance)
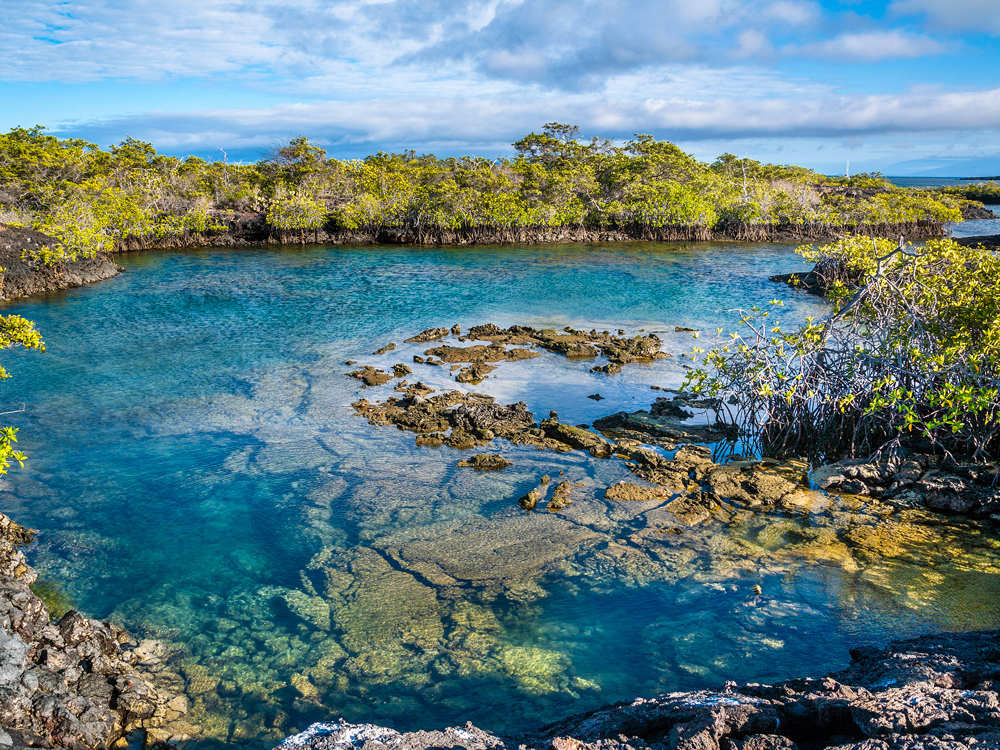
(15, 332)
(914, 353)
(983, 192)
(93, 200)
(290, 210)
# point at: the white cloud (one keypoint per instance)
(981, 16)
(475, 124)
(565, 44)
(869, 47)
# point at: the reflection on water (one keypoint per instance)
(197, 475)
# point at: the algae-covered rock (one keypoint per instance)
(577, 438)
(487, 462)
(312, 609)
(508, 547)
(748, 483)
(536, 671)
(530, 501)
(628, 492)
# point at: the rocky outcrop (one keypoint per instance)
(989, 241)
(23, 276)
(77, 682)
(929, 693)
(919, 480)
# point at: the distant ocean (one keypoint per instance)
(926, 181)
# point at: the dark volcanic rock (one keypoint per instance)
(23, 276)
(72, 683)
(929, 693)
(919, 481)
(497, 419)
(989, 241)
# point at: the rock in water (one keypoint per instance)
(561, 496)
(371, 376)
(384, 349)
(577, 438)
(612, 368)
(429, 335)
(529, 501)
(487, 462)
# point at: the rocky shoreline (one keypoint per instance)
(76, 682)
(935, 692)
(247, 229)
(22, 276)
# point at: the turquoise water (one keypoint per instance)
(197, 475)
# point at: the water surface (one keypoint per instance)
(197, 475)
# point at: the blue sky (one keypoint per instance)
(902, 86)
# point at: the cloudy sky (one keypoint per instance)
(904, 86)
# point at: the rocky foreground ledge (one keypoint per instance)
(22, 276)
(935, 692)
(76, 682)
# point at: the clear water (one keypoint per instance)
(975, 228)
(197, 475)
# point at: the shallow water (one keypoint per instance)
(198, 476)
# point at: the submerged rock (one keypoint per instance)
(628, 492)
(928, 693)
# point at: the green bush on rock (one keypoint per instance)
(912, 353)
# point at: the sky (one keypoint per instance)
(901, 86)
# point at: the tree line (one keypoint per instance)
(93, 199)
